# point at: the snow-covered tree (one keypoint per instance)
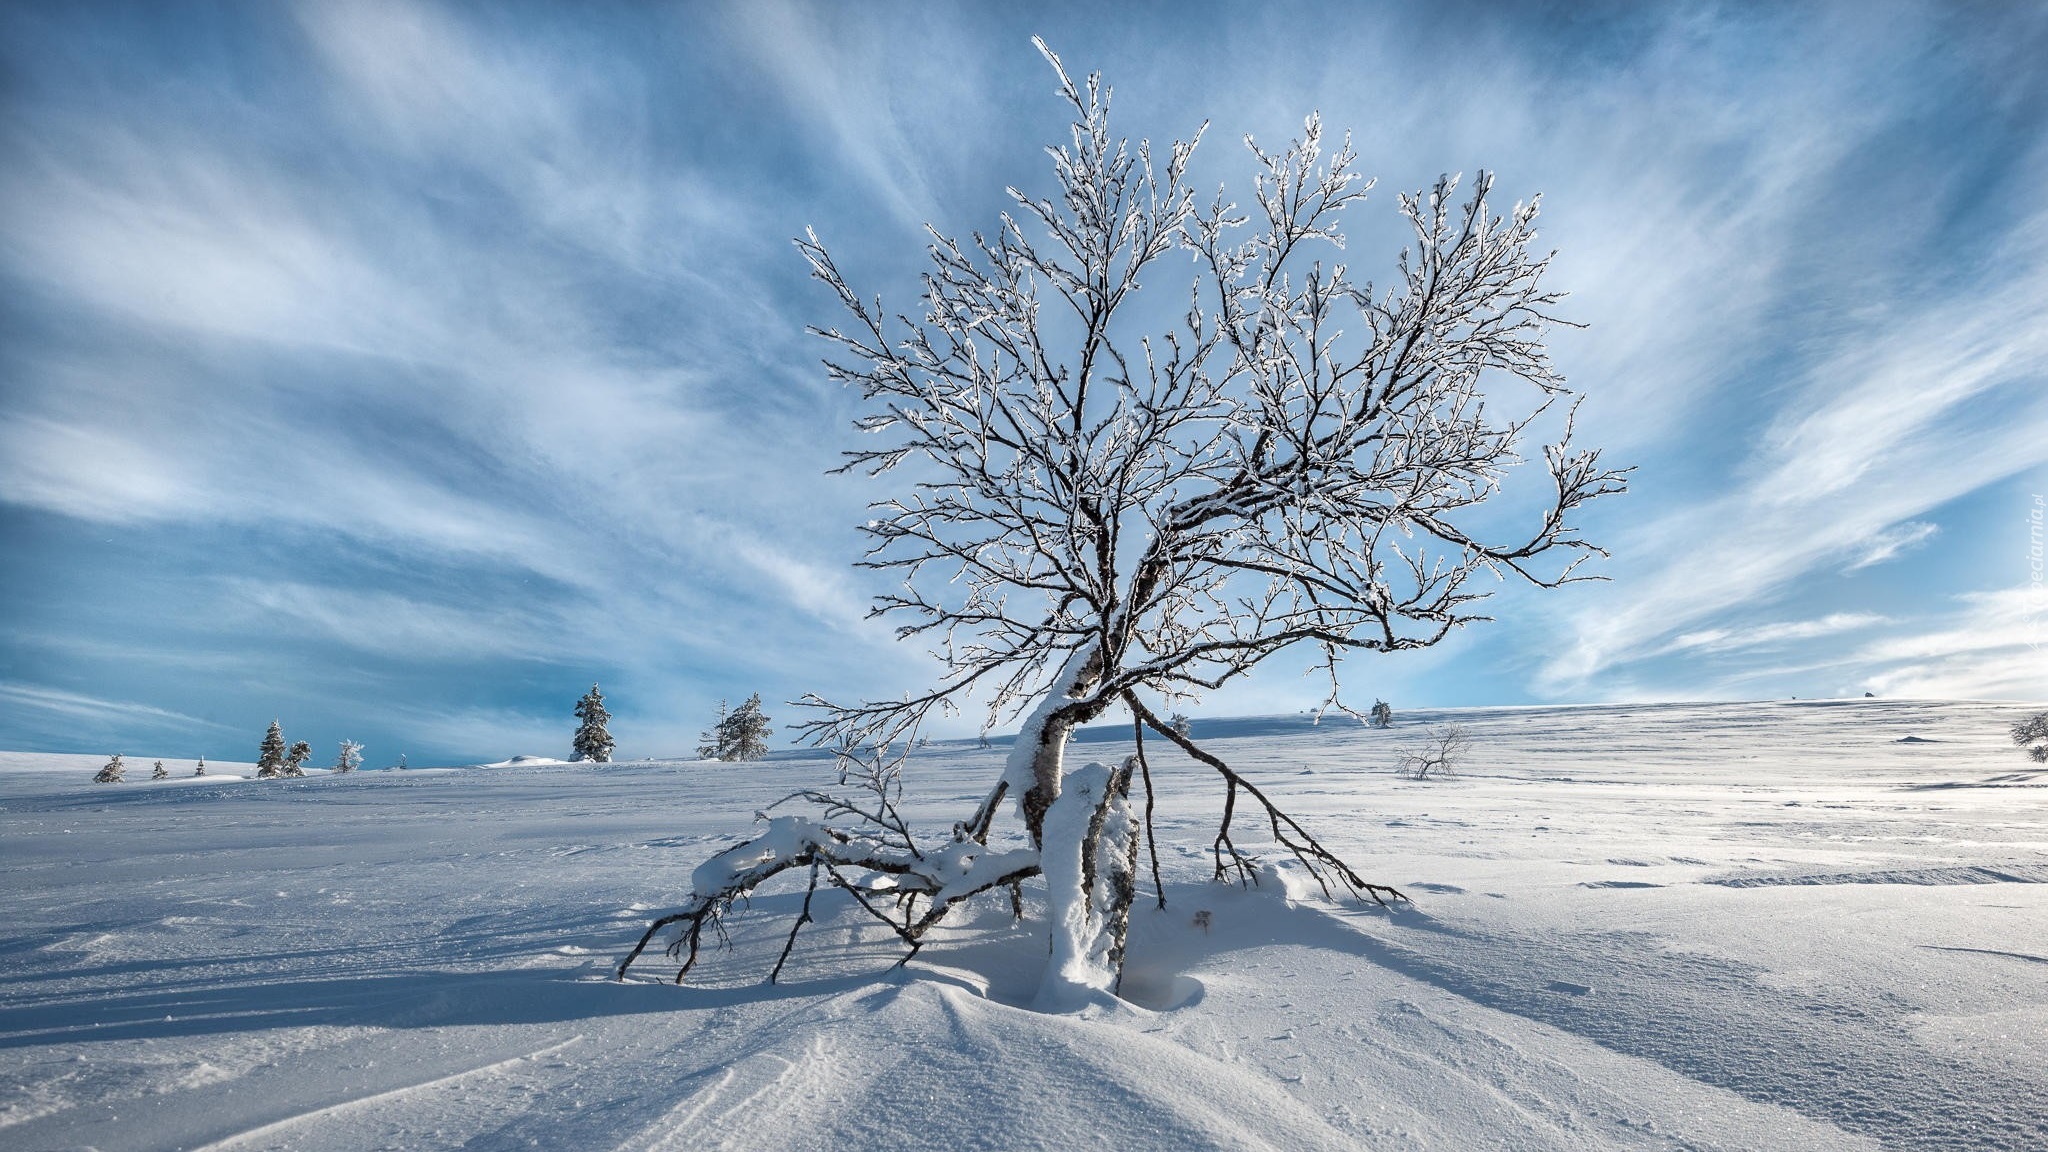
(201, 769)
(1382, 714)
(1103, 512)
(737, 734)
(744, 735)
(350, 758)
(160, 772)
(592, 741)
(2031, 734)
(112, 773)
(270, 757)
(295, 760)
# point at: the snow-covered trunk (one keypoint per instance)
(1089, 859)
(1086, 833)
(1037, 761)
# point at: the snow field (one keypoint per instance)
(1810, 925)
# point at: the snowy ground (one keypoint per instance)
(1799, 925)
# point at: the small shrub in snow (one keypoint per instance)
(270, 757)
(295, 760)
(351, 757)
(111, 774)
(201, 770)
(1439, 753)
(160, 772)
(593, 740)
(2032, 735)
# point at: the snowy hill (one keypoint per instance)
(1744, 926)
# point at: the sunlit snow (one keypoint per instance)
(1798, 925)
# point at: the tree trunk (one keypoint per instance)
(1037, 761)
(1089, 860)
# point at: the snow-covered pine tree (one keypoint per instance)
(351, 757)
(295, 760)
(593, 741)
(2031, 735)
(270, 757)
(160, 772)
(708, 742)
(743, 734)
(201, 770)
(1382, 715)
(111, 774)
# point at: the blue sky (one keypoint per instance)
(400, 370)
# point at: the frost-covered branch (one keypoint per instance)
(863, 846)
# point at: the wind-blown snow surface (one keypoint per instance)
(1718, 926)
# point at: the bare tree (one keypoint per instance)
(709, 740)
(1102, 513)
(1439, 752)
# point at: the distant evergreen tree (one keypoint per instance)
(270, 757)
(1180, 723)
(593, 742)
(295, 760)
(111, 774)
(2030, 734)
(351, 757)
(1382, 714)
(161, 772)
(708, 742)
(201, 770)
(743, 734)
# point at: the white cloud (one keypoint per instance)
(1891, 425)
(1893, 542)
(1766, 635)
(41, 701)
(841, 82)
(395, 625)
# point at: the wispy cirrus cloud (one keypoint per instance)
(1895, 420)
(1893, 542)
(48, 706)
(1766, 635)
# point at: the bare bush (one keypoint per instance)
(1441, 752)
